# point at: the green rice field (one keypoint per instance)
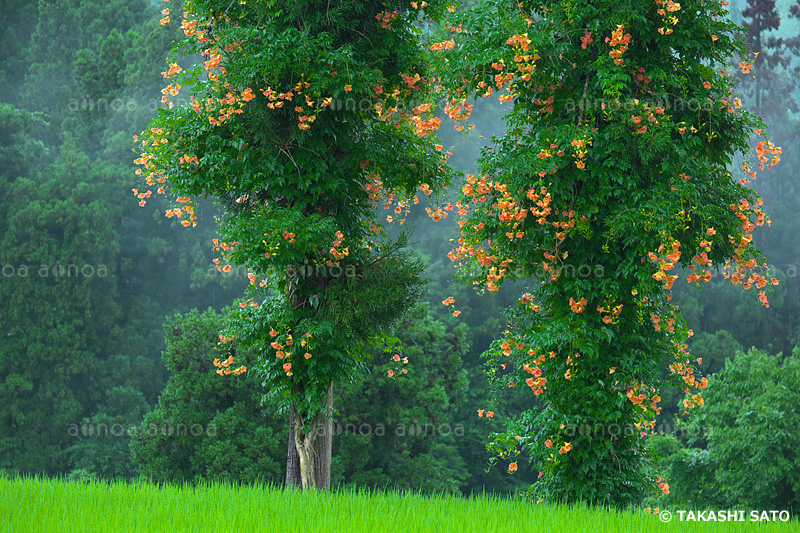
(45, 505)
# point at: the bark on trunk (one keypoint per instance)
(308, 463)
(323, 447)
(292, 458)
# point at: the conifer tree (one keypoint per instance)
(768, 74)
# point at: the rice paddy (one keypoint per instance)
(48, 505)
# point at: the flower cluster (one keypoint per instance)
(669, 20)
(224, 370)
(385, 18)
(618, 39)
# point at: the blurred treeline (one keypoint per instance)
(101, 337)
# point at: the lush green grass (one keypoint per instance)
(57, 506)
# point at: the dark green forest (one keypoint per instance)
(110, 313)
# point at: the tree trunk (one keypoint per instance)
(323, 446)
(292, 458)
(308, 463)
(305, 449)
